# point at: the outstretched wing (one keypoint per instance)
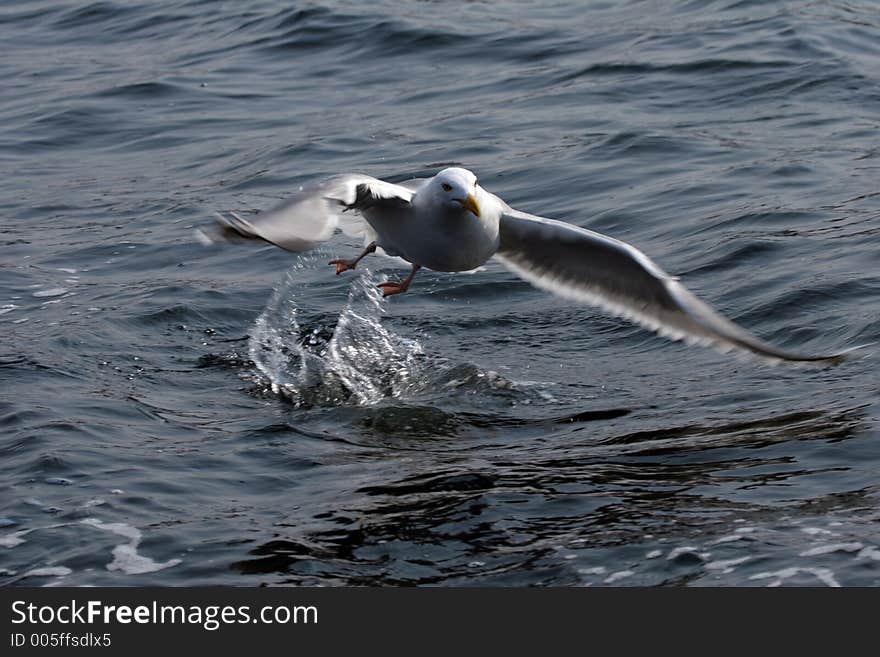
(587, 266)
(313, 214)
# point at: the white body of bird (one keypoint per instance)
(454, 229)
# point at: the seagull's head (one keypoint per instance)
(458, 188)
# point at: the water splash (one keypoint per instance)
(360, 363)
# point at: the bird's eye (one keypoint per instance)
(446, 187)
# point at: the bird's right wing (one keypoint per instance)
(313, 214)
(590, 267)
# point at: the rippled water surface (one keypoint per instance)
(177, 415)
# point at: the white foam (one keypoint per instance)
(834, 547)
(127, 560)
(51, 292)
(49, 571)
(125, 556)
(15, 538)
(677, 552)
(598, 570)
(653, 554)
(202, 238)
(824, 575)
(815, 531)
(869, 552)
(619, 575)
(726, 565)
(729, 538)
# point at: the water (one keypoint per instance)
(176, 415)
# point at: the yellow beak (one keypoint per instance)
(470, 204)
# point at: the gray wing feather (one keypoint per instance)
(587, 266)
(313, 214)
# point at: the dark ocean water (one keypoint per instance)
(176, 415)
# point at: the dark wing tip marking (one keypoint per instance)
(367, 196)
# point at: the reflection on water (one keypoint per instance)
(593, 502)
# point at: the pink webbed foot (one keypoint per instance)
(343, 265)
(392, 287)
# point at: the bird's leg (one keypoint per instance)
(398, 287)
(345, 265)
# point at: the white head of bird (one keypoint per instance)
(456, 188)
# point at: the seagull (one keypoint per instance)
(450, 223)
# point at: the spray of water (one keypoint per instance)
(362, 362)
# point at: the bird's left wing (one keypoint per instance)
(312, 215)
(587, 266)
